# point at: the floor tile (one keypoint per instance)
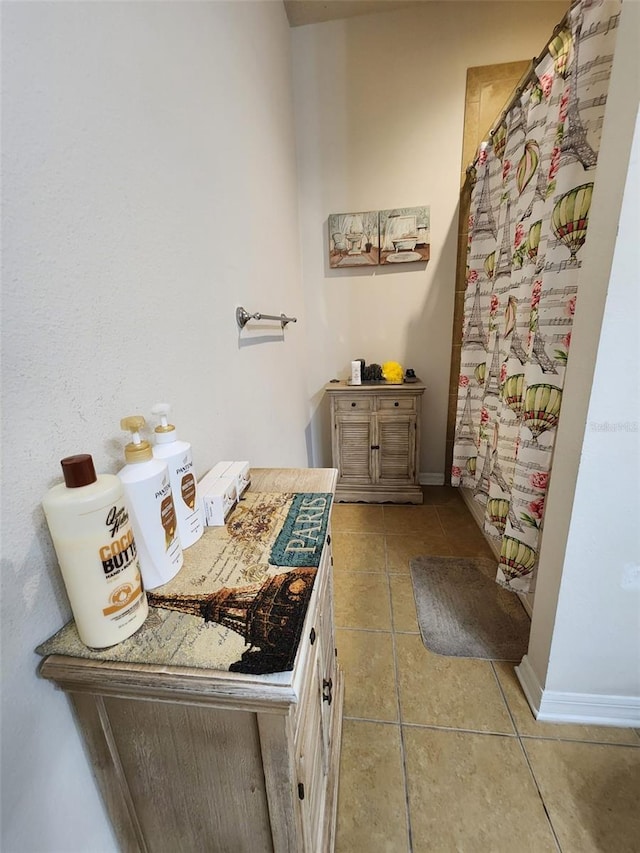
(591, 794)
(371, 802)
(441, 496)
(359, 518)
(467, 546)
(361, 600)
(369, 674)
(526, 723)
(358, 552)
(416, 520)
(402, 548)
(457, 517)
(444, 691)
(403, 605)
(472, 793)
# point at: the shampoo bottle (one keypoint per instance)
(95, 546)
(177, 455)
(148, 492)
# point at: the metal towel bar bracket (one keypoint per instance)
(243, 317)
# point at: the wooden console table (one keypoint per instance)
(197, 759)
(375, 440)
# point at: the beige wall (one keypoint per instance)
(379, 107)
(149, 187)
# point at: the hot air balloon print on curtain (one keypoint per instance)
(541, 409)
(527, 165)
(561, 48)
(533, 240)
(498, 511)
(500, 140)
(516, 558)
(570, 219)
(512, 393)
(490, 265)
(480, 372)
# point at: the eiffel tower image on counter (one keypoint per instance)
(269, 616)
(474, 333)
(465, 430)
(484, 222)
(574, 145)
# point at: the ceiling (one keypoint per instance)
(301, 12)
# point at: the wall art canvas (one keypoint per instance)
(404, 235)
(353, 239)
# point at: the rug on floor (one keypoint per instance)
(462, 612)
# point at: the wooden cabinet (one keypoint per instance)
(196, 759)
(375, 442)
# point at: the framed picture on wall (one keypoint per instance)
(353, 239)
(404, 235)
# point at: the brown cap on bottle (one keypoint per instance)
(78, 470)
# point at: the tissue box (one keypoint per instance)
(217, 497)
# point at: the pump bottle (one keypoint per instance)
(95, 546)
(177, 455)
(148, 492)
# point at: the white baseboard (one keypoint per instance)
(590, 709)
(431, 479)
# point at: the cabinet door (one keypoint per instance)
(326, 669)
(397, 441)
(354, 437)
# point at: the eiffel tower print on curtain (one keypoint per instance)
(493, 380)
(484, 222)
(474, 333)
(481, 491)
(517, 350)
(574, 145)
(505, 258)
(539, 353)
(465, 431)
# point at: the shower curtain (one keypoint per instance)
(528, 224)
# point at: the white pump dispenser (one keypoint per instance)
(148, 491)
(178, 457)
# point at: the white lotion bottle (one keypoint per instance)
(96, 550)
(148, 492)
(177, 454)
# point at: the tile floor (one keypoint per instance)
(443, 754)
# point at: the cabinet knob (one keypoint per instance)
(396, 404)
(312, 636)
(375, 447)
(353, 405)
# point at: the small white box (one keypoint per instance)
(217, 498)
(214, 474)
(242, 472)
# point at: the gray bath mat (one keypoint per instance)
(462, 612)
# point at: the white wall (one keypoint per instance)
(601, 573)
(149, 187)
(585, 634)
(379, 110)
